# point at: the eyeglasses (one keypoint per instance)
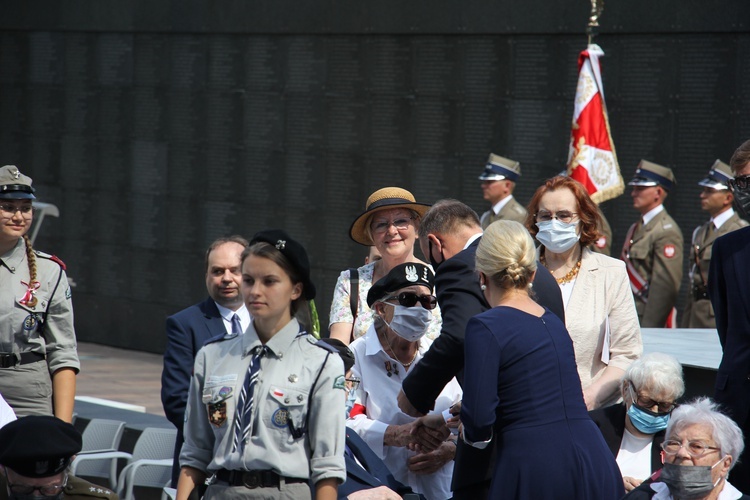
(48, 490)
(8, 210)
(382, 226)
(352, 383)
(694, 448)
(563, 216)
(410, 299)
(647, 403)
(741, 182)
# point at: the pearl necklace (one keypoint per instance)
(568, 277)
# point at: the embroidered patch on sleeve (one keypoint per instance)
(669, 251)
(339, 382)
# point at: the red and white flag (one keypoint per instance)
(592, 160)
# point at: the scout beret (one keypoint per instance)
(14, 185)
(399, 277)
(38, 446)
(293, 251)
(499, 168)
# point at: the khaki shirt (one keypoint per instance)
(20, 324)
(604, 244)
(286, 378)
(700, 313)
(655, 251)
(75, 489)
(511, 211)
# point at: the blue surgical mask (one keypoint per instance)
(647, 421)
(556, 236)
(409, 323)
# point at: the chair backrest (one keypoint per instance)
(102, 434)
(155, 443)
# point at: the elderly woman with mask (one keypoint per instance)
(389, 223)
(600, 314)
(634, 429)
(402, 302)
(701, 447)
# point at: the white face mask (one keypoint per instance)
(409, 323)
(556, 236)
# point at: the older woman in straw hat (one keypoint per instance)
(389, 222)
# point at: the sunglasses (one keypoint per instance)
(410, 299)
(741, 182)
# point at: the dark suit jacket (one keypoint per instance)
(374, 474)
(729, 290)
(611, 423)
(187, 331)
(460, 298)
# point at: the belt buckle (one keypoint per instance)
(251, 479)
(8, 360)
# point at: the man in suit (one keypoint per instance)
(728, 288)
(716, 199)
(498, 182)
(449, 234)
(222, 313)
(653, 248)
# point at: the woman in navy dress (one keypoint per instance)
(521, 386)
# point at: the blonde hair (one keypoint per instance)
(506, 255)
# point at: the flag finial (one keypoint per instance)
(597, 6)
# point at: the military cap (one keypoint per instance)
(383, 199)
(718, 177)
(14, 185)
(293, 251)
(499, 168)
(401, 276)
(650, 174)
(38, 446)
(347, 356)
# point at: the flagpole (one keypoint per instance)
(597, 6)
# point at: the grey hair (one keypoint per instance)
(657, 372)
(703, 411)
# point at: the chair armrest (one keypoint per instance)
(125, 479)
(97, 456)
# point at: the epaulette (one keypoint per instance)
(77, 488)
(53, 258)
(323, 345)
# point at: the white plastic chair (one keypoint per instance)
(151, 462)
(100, 437)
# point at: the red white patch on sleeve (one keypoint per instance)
(357, 409)
(601, 242)
(669, 251)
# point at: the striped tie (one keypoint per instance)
(245, 401)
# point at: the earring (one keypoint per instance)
(483, 287)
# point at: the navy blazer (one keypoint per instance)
(374, 474)
(187, 331)
(460, 297)
(729, 290)
(611, 423)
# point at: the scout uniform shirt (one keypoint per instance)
(654, 251)
(699, 313)
(44, 328)
(286, 378)
(509, 209)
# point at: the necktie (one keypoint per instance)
(236, 326)
(245, 401)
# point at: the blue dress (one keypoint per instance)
(521, 388)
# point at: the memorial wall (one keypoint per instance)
(157, 127)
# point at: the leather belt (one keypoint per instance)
(10, 359)
(700, 292)
(254, 478)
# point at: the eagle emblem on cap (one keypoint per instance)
(280, 244)
(15, 172)
(411, 274)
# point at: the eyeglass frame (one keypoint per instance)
(556, 216)
(400, 224)
(421, 299)
(8, 210)
(29, 489)
(658, 404)
(704, 448)
(744, 183)
(353, 383)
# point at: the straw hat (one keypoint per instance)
(383, 199)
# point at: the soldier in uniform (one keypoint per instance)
(498, 182)
(38, 356)
(265, 409)
(603, 244)
(34, 458)
(653, 248)
(716, 199)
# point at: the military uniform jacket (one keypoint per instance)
(281, 393)
(698, 312)
(603, 245)
(75, 489)
(655, 252)
(511, 211)
(45, 328)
